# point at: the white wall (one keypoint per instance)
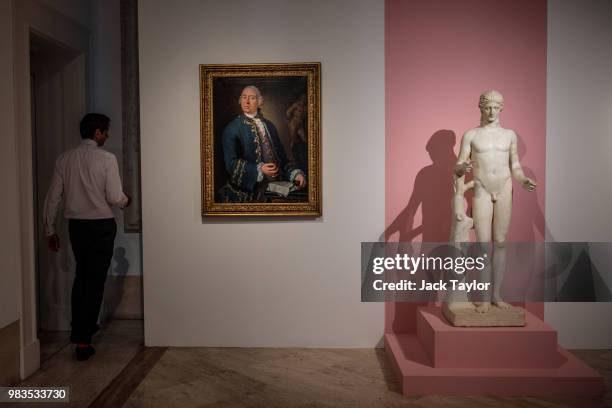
(579, 145)
(9, 204)
(232, 282)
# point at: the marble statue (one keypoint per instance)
(491, 152)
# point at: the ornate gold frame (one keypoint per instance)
(312, 71)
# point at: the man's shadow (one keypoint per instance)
(432, 192)
(113, 292)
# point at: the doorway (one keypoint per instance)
(57, 94)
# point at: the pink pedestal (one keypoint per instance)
(445, 360)
(532, 346)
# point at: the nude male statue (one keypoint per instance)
(492, 153)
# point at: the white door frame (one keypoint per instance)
(34, 16)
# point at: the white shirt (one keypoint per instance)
(88, 180)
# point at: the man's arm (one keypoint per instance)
(463, 161)
(292, 174)
(515, 166)
(114, 191)
(52, 202)
(241, 172)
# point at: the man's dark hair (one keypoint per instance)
(91, 122)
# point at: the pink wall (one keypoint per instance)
(440, 55)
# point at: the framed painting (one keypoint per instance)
(261, 139)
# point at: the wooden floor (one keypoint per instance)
(256, 377)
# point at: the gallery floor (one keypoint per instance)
(124, 374)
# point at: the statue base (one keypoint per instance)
(464, 314)
(439, 359)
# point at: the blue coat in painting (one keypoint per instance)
(243, 150)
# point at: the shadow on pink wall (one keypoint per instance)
(440, 55)
(432, 192)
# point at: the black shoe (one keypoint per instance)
(83, 353)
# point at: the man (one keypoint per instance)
(492, 151)
(87, 179)
(254, 154)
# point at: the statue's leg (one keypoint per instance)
(501, 222)
(482, 212)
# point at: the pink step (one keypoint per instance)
(531, 346)
(417, 376)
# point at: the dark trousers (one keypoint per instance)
(92, 244)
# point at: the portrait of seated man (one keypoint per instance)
(254, 156)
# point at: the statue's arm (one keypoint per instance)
(515, 165)
(463, 161)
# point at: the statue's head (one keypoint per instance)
(491, 103)
(490, 96)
